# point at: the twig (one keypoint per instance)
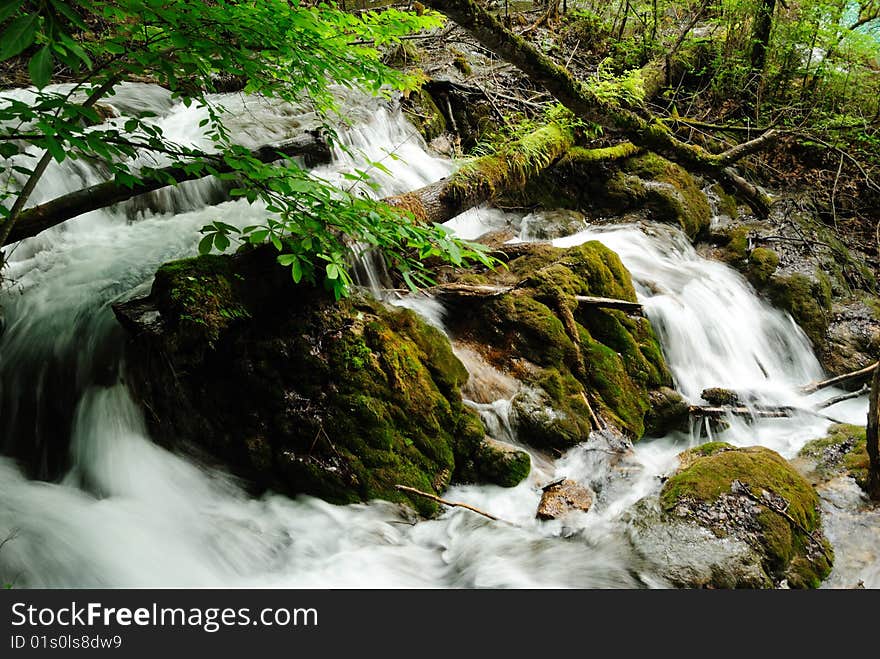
(454, 504)
(744, 489)
(842, 397)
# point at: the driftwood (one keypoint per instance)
(842, 397)
(454, 504)
(312, 147)
(779, 412)
(856, 376)
(488, 290)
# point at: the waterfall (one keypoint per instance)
(123, 511)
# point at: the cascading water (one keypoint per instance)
(127, 512)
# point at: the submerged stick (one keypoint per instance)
(453, 504)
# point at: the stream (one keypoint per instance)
(128, 513)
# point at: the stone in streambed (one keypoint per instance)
(301, 394)
(753, 496)
(561, 498)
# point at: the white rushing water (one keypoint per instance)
(130, 513)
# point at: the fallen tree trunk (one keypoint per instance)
(312, 147)
(487, 290)
(643, 129)
(861, 375)
(481, 179)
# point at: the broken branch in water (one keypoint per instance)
(454, 504)
(855, 376)
(839, 399)
(780, 412)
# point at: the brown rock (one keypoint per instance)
(561, 498)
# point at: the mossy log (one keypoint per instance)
(480, 179)
(641, 127)
(311, 146)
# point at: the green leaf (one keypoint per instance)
(19, 35)
(40, 67)
(54, 147)
(296, 271)
(221, 241)
(206, 243)
(332, 271)
(8, 8)
(64, 8)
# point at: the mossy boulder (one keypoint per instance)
(668, 412)
(755, 495)
(842, 452)
(422, 111)
(762, 264)
(669, 191)
(807, 299)
(571, 357)
(302, 394)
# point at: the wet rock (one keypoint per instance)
(421, 109)
(669, 412)
(720, 396)
(301, 394)
(853, 336)
(563, 497)
(843, 452)
(576, 361)
(548, 225)
(501, 464)
(692, 556)
(755, 496)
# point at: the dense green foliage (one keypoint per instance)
(293, 51)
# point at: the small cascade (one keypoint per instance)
(123, 511)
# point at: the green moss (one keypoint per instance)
(677, 198)
(707, 472)
(421, 109)
(513, 165)
(762, 265)
(736, 244)
(501, 465)
(726, 202)
(200, 294)
(460, 62)
(585, 353)
(807, 300)
(843, 451)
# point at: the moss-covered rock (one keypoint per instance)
(807, 300)
(756, 496)
(842, 452)
(668, 412)
(422, 111)
(670, 192)
(339, 400)
(571, 357)
(762, 264)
